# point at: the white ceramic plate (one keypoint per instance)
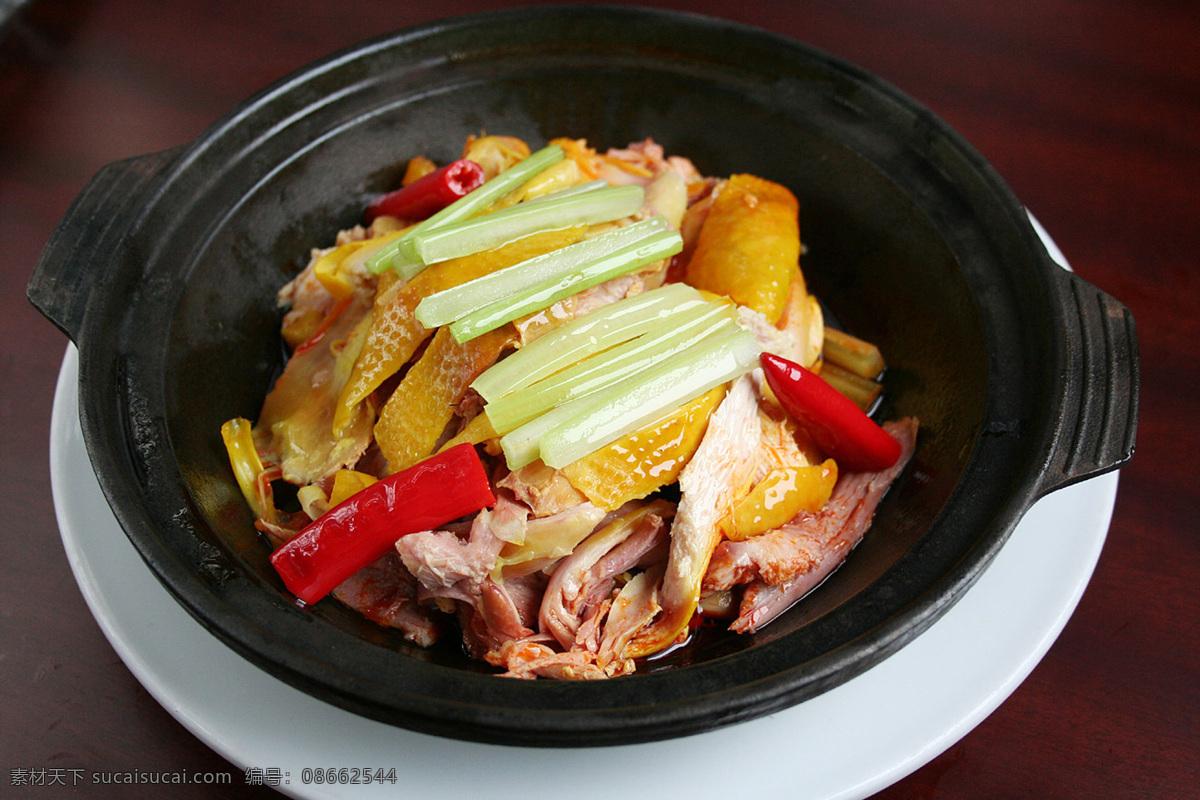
(847, 743)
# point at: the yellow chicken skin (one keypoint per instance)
(749, 245)
(647, 459)
(416, 415)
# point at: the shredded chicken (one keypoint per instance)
(632, 610)
(582, 581)
(534, 660)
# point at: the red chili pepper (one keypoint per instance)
(837, 425)
(363, 528)
(429, 193)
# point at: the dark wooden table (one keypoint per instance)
(1090, 110)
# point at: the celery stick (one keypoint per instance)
(859, 357)
(653, 248)
(583, 336)
(522, 445)
(861, 391)
(405, 259)
(475, 201)
(500, 227)
(580, 188)
(451, 304)
(607, 415)
(676, 335)
(400, 255)
(700, 365)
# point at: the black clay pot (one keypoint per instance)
(164, 272)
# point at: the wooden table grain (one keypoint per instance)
(1089, 110)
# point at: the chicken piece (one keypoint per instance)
(545, 490)
(592, 627)
(617, 288)
(495, 154)
(780, 341)
(584, 302)
(642, 162)
(693, 222)
(507, 609)
(456, 573)
(557, 177)
(546, 540)
(781, 566)
(779, 497)
(644, 460)
(442, 559)
(789, 475)
(395, 333)
(784, 442)
(307, 297)
(667, 197)
(295, 425)
(803, 318)
(585, 578)
(498, 614)
(307, 301)
(528, 660)
(718, 475)
(416, 416)
(634, 607)
(386, 593)
(749, 245)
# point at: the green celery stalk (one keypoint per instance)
(570, 431)
(652, 248)
(675, 335)
(522, 445)
(401, 255)
(606, 416)
(452, 304)
(581, 337)
(500, 227)
(587, 186)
